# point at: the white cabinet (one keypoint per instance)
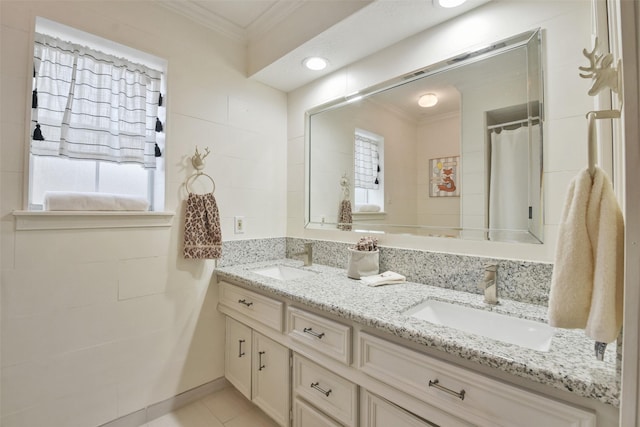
(412, 389)
(270, 378)
(327, 391)
(473, 397)
(326, 336)
(249, 304)
(237, 356)
(259, 368)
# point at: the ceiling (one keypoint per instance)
(280, 34)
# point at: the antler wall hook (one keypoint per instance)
(198, 159)
(601, 71)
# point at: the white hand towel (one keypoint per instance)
(587, 280)
(386, 278)
(606, 231)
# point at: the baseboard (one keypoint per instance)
(151, 412)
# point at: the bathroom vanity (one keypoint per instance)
(312, 347)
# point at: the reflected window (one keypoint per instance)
(368, 171)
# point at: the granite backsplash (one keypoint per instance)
(522, 281)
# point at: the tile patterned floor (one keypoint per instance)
(225, 408)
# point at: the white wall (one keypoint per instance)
(567, 30)
(99, 323)
(437, 137)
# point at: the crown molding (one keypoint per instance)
(278, 12)
(206, 18)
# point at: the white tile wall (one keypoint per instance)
(97, 324)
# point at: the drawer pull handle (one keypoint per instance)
(310, 331)
(261, 365)
(321, 390)
(240, 352)
(244, 301)
(437, 385)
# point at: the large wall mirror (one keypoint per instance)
(453, 149)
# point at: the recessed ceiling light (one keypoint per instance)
(315, 63)
(428, 100)
(450, 3)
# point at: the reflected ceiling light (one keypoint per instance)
(428, 100)
(315, 63)
(450, 3)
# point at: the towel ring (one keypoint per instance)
(193, 177)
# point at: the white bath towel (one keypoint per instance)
(587, 281)
(77, 201)
(368, 208)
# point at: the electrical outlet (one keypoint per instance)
(238, 224)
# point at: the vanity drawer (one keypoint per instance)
(471, 396)
(325, 390)
(258, 307)
(305, 415)
(378, 412)
(330, 338)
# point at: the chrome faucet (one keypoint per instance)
(307, 254)
(490, 284)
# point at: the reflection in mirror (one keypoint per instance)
(453, 149)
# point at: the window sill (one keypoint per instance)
(70, 220)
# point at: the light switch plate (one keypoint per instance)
(238, 224)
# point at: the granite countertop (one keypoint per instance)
(569, 364)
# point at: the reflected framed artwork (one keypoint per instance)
(444, 172)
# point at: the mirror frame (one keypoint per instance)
(466, 58)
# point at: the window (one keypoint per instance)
(368, 168)
(97, 117)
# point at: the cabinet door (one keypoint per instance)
(237, 358)
(270, 382)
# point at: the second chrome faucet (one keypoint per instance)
(490, 284)
(307, 255)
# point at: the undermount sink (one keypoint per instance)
(512, 330)
(283, 272)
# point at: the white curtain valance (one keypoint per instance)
(91, 105)
(366, 163)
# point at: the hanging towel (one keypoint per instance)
(587, 280)
(202, 234)
(345, 217)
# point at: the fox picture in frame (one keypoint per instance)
(444, 174)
